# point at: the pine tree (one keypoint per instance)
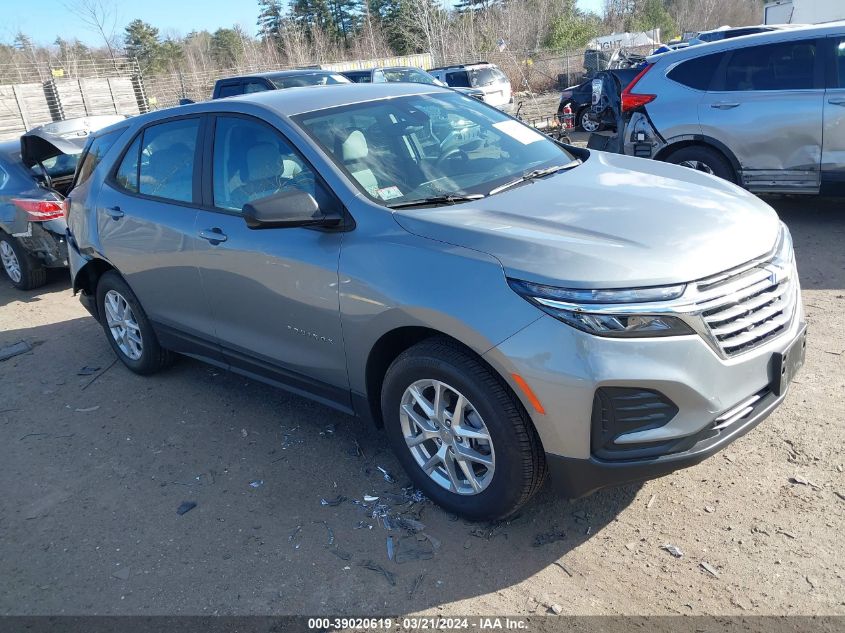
(141, 42)
(270, 16)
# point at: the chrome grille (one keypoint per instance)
(745, 308)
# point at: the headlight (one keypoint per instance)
(784, 253)
(573, 306)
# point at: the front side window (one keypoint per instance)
(458, 79)
(409, 75)
(93, 154)
(785, 66)
(411, 148)
(163, 160)
(308, 79)
(839, 64)
(252, 161)
(254, 86)
(231, 90)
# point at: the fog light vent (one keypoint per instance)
(620, 410)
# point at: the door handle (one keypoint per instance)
(114, 212)
(840, 101)
(724, 106)
(213, 235)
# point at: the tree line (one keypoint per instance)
(312, 31)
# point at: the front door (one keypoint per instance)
(273, 292)
(766, 106)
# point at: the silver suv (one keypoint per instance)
(766, 111)
(501, 304)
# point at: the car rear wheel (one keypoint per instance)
(460, 433)
(23, 270)
(587, 122)
(705, 159)
(127, 328)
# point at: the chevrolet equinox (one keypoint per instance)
(505, 306)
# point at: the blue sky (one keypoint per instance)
(44, 20)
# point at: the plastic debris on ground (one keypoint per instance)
(673, 550)
(329, 531)
(390, 548)
(709, 569)
(387, 476)
(373, 566)
(545, 538)
(256, 484)
(16, 349)
(87, 371)
(556, 609)
(342, 555)
(329, 430)
(415, 585)
(88, 409)
(370, 498)
(186, 506)
(122, 574)
(333, 502)
(409, 548)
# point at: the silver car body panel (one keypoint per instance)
(316, 304)
(776, 140)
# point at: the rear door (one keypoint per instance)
(833, 150)
(274, 291)
(766, 106)
(146, 214)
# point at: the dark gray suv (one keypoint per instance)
(405, 253)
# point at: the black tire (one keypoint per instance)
(712, 161)
(153, 356)
(520, 464)
(579, 121)
(32, 272)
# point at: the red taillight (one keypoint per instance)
(631, 100)
(41, 210)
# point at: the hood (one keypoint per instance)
(61, 137)
(613, 222)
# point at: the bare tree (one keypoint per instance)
(99, 16)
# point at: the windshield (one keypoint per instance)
(408, 75)
(416, 147)
(310, 79)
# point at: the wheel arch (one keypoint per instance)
(676, 144)
(390, 345)
(86, 279)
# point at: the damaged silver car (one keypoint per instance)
(35, 174)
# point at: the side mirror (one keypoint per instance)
(287, 209)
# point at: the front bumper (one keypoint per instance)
(565, 368)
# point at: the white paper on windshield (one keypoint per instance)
(388, 193)
(520, 132)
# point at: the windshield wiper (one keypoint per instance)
(452, 198)
(536, 173)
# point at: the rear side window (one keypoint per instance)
(254, 86)
(93, 154)
(160, 162)
(696, 73)
(231, 90)
(785, 66)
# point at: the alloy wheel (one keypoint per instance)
(697, 165)
(588, 123)
(10, 262)
(123, 325)
(447, 437)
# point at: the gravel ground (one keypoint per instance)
(95, 467)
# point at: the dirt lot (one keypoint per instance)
(93, 473)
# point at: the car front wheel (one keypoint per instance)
(587, 122)
(127, 328)
(460, 433)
